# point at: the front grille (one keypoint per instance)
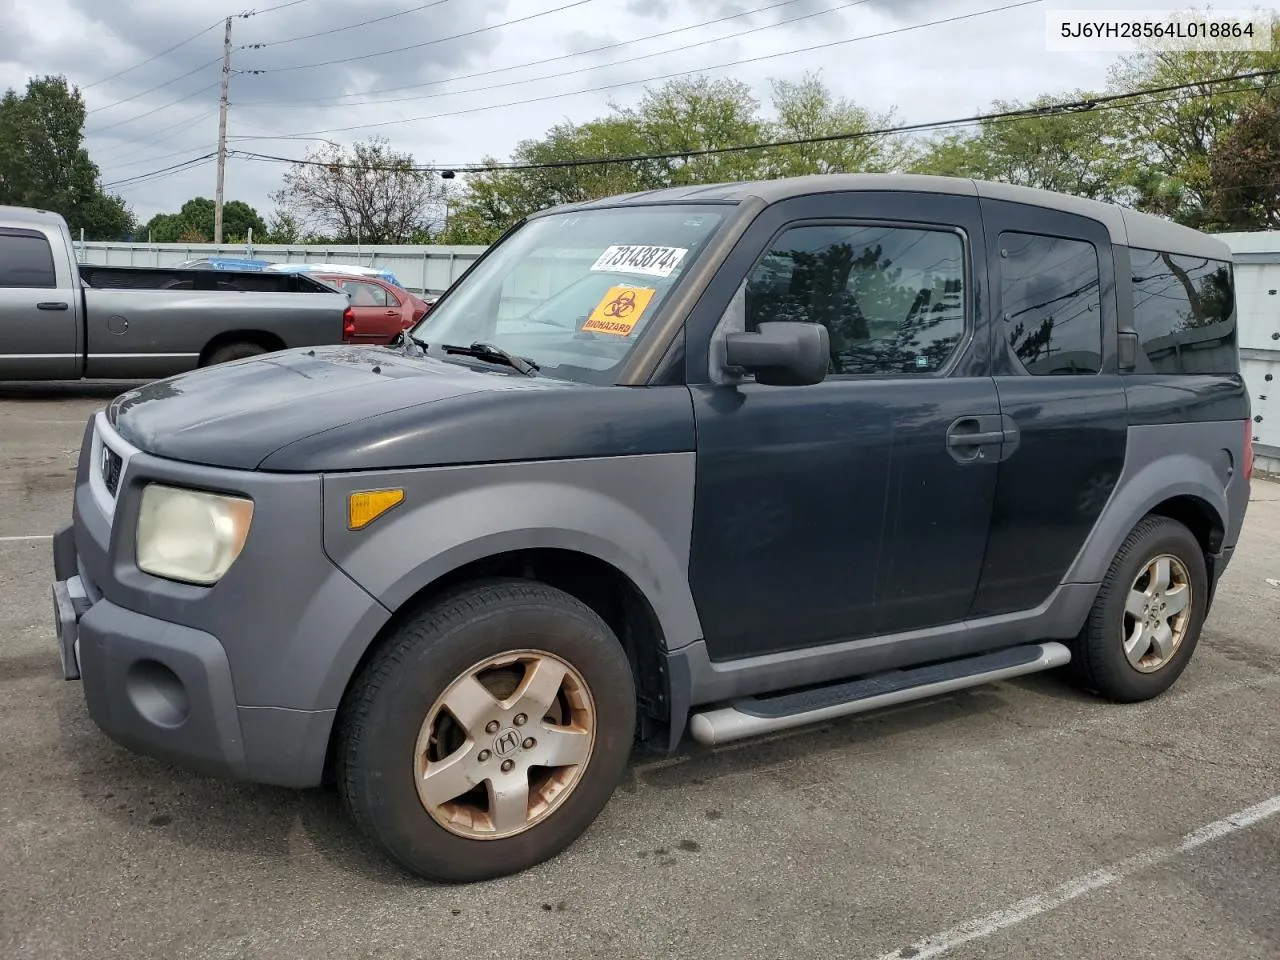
(111, 465)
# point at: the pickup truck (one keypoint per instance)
(715, 461)
(63, 320)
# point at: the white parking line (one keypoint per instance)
(1044, 902)
(38, 536)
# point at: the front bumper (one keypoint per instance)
(165, 690)
(242, 679)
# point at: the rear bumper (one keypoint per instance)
(166, 690)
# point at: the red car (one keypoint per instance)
(380, 309)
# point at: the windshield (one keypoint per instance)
(574, 292)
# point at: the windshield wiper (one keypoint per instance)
(492, 353)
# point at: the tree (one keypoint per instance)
(194, 223)
(368, 194)
(805, 109)
(1169, 139)
(44, 164)
(1244, 171)
(1075, 153)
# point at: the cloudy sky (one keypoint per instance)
(454, 80)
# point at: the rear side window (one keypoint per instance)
(26, 260)
(1184, 313)
(892, 298)
(1052, 303)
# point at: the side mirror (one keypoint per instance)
(782, 354)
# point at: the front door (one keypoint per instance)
(39, 339)
(859, 505)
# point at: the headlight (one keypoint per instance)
(188, 535)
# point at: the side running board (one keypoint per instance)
(757, 715)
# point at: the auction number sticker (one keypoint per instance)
(619, 310)
(648, 261)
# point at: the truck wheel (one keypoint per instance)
(488, 732)
(234, 351)
(1146, 620)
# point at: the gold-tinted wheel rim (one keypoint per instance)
(505, 745)
(1157, 614)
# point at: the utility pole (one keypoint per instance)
(222, 133)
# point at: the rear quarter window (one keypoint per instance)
(1184, 313)
(26, 260)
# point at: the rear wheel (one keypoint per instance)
(234, 351)
(488, 732)
(1146, 620)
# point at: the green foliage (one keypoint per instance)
(194, 223)
(1244, 171)
(1076, 153)
(1167, 145)
(43, 162)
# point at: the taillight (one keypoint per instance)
(418, 314)
(1248, 449)
(348, 324)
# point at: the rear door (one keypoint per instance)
(848, 508)
(1054, 291)
(379, 313)
(39, 308)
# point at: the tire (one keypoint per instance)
(234, 351)
(1099, 660)
(399, 728)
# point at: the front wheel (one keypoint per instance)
(488, 732)
(1146, 620)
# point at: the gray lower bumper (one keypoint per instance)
(165, 690)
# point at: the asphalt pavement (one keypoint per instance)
(1016, 820)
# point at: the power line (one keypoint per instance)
(159, 136)
(279, 6)
(158, 86)
(151, 59)
(1105, 102)
(172, 103)
(173, 168)
(605, 66)
(521, 66)
(195, 36)
(424, 43)
(349, 26)
(681, 73)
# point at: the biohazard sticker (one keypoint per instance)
(618, 311)
(647, 261)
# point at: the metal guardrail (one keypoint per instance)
(429, 269)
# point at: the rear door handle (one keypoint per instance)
(52, 305)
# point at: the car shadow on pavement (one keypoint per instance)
(141, 795)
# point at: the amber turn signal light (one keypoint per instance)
(368, 505)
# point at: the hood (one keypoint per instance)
(237, 414)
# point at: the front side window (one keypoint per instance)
(575, 292)
(1050, 288)
(1184, 312)
(26, 260)
(892, 298)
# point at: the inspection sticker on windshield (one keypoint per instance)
(618, 311)
(649, 261)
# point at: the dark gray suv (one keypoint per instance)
(723, 459)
